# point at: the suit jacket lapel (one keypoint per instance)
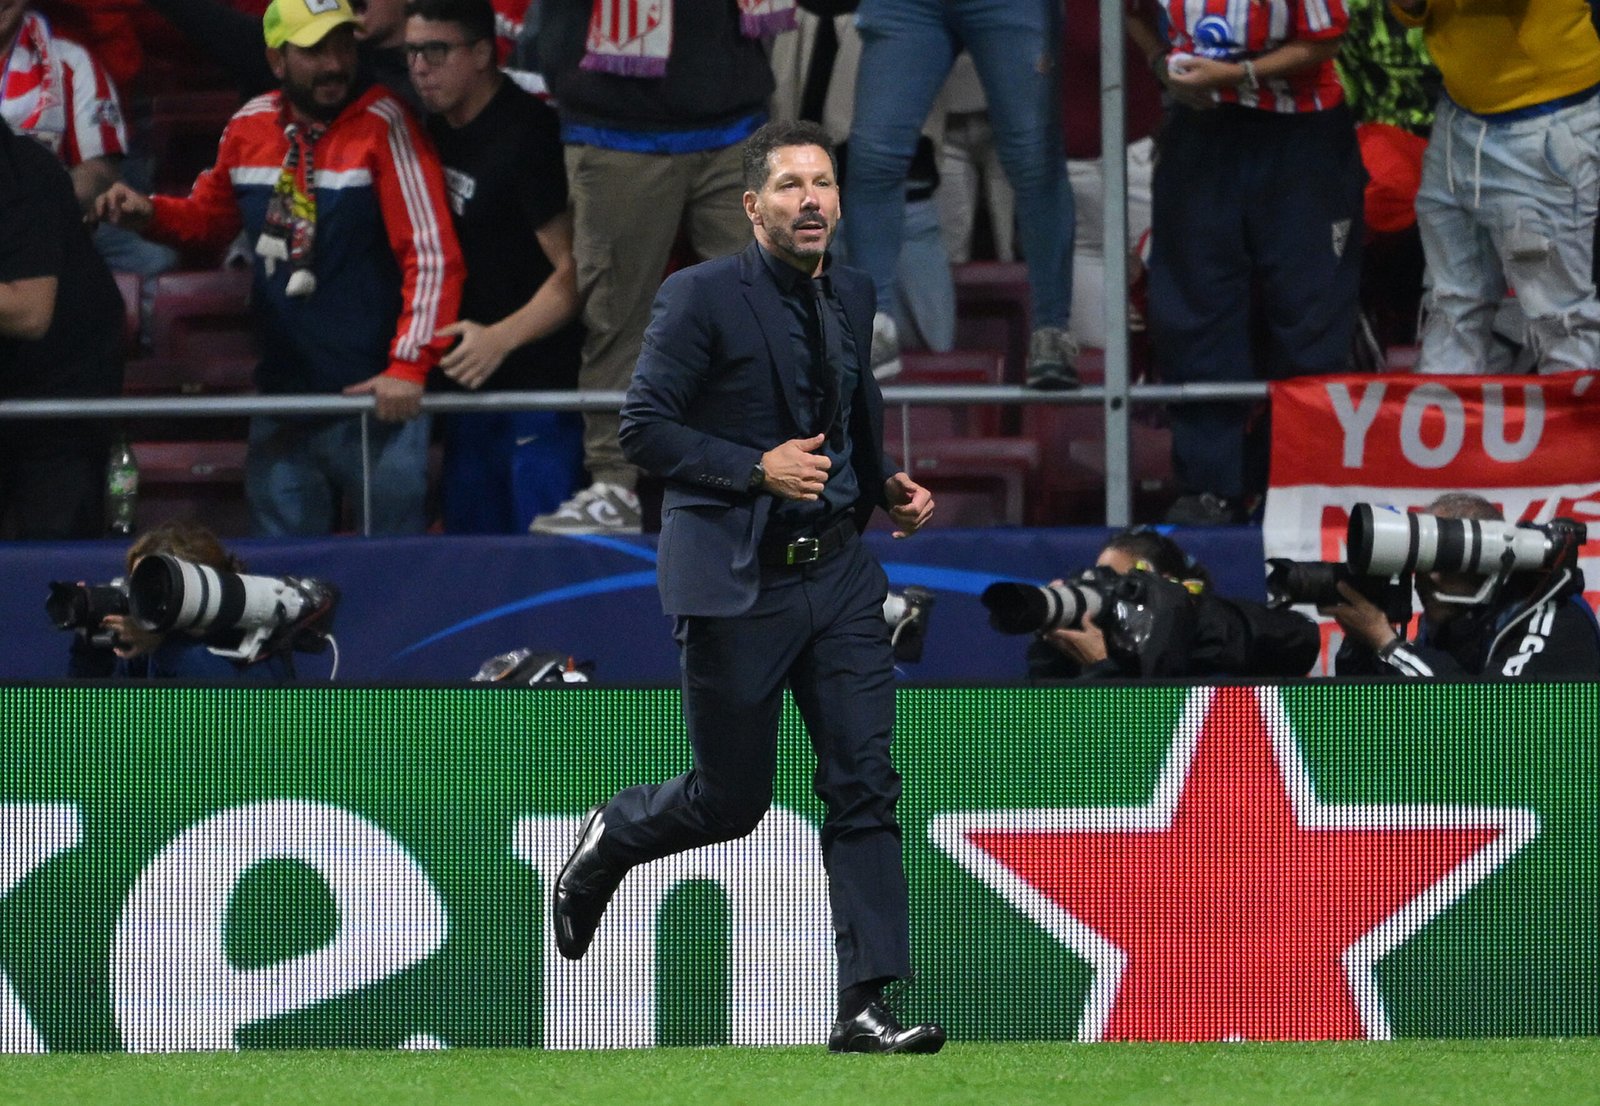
(771, 316)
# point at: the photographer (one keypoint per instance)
(136, 652)
(1165, 621)
(1523, 625)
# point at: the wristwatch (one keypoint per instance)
(758, 477)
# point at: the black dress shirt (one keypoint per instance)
(827, 381)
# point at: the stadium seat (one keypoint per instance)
(184, 129)
(202, 481)
(202, 336)
(1072, 489)
(993, 311)
(954, 369)
(1401, 359)
(977, 481)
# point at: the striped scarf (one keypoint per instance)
(633, 38)
(31, 84)
(290, 231)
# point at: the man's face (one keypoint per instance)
(1431, 585)
(797, 210)
(382, 21)
(445, 67)
(318, 80)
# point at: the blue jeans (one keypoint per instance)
(1510, 203)
(501, 468)
(907, 49)
(301, 472)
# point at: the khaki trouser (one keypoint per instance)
(626, 211)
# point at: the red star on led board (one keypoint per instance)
(1234, 905)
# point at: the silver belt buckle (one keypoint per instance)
(802, 551)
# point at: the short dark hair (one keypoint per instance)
(474, 17)
(771, 136)
(1160, 552)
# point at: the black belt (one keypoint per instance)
(807, 548)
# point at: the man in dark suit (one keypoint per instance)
(754, 400)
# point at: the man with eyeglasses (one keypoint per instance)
(356, 270)
(501, 149)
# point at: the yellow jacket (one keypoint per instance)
(1500, 55)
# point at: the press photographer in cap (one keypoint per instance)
(1498, 601)
(187, 611)
(1147, 610)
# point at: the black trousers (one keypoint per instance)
(1255, 269)
(820, 631)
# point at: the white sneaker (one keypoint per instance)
(885, 347)
(597, 509)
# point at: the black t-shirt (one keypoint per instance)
(42, 235)
(506, 178)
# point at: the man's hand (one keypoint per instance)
(1360, 618)
(1193, 75)
(795, 470)
(1087, 646)
(398, 400)
(1197, 98)
(910, 504)
(121, 206)
(129, 638)
(474, 359)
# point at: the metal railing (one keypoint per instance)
(905, 397)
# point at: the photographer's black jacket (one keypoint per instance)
(1513, 639)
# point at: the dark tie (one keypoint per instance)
(831, 366)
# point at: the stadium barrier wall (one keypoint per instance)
(190, 868)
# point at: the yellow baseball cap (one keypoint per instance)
(305, 22)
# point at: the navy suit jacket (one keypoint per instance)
(715, 388)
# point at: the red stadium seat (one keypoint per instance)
(184, 129)
(955, 369)
(203, 481)
(993, 311)
(977, 481)
(202, 336)
(1073, 484)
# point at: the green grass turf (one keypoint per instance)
(1412, 1073)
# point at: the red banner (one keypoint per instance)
(1529, 443)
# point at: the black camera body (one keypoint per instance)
(1145, 618)
(1316, 582)
(83, 607)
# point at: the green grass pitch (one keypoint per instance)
(1409, 1073)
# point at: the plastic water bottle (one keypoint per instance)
(122, 488)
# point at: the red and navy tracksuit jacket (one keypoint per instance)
(387, 264)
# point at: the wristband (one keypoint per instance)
(1158, 65)
(1390, 648)
(1250, 74)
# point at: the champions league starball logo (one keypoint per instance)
(1213, 38)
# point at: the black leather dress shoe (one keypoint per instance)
(582, 890)
(877, 1030)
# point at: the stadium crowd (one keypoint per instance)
(466, 195)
